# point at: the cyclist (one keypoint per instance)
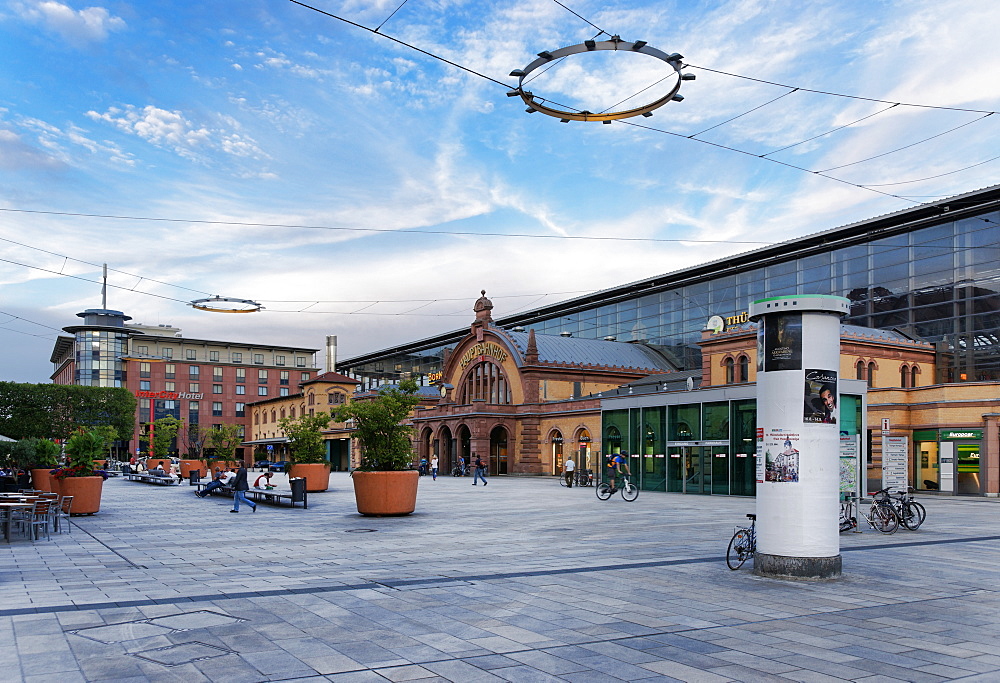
(615, 464)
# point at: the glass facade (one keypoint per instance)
(99, 358)
(939, 281)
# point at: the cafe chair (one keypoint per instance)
(61, 513)
(37, 520)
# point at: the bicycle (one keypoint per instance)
(882, 515)
(743, 544)
(848, 520)
(911, 513)
(585, 477)
(629, 490)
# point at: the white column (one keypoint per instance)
(798, 468)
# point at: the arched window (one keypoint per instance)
(282, 413)
(871, 374)
(274, 416)
(256, 418)
(914, 371)
(487, 382)
(743, 364)
(904, 376)
(311, 398)
(264, 413)
(860, 368)
(334, 398)
(291, 412)
(729, 366)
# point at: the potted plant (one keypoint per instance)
(223, 440)
(38, 455)
(384, 483)
(307, 452)
(78, 478)
(194, 444)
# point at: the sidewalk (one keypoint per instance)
(522, 580)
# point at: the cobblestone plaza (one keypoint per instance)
(522, 580)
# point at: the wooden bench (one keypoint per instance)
(152, 479)
(271, 497)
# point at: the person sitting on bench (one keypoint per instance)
(219, 481)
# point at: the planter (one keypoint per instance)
(100, 464)
(86, 492)
(316, 474)
(40, 480)
(188, 465)
(151, 463)
(386, 494)
(55, 485)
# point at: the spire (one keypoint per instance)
(482, 308)
(531, 353)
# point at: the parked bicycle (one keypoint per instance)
(911, 513)
(580, 478)
(882, 514)
(743, 544)
(629, 490)
(848, 518)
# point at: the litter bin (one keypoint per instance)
(298, 489)
(194, 477)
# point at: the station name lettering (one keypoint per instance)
(483, 349)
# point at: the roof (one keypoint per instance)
(576, 351)
(858, 332)
(331, 377)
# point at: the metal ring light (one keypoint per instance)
(616, 43)
(216, 304)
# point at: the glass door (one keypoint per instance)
(720, 469)
(697, 469)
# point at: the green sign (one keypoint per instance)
(957, 434)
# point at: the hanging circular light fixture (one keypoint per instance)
(226, 304)
(616, 44)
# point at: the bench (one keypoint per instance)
(271, 497)
(152, 479)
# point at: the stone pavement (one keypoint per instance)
(522, 580)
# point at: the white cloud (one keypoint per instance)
(78, 27)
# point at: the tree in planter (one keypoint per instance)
(35, 454)
(164, 431)
(194, 439)
(305, 437)
(81, 450)
(385, 441)
(224, 439)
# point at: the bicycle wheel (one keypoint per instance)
(630, 492)
(603, 491)
(562, 480)
(739, 549)
(914, 515)
(884, 518)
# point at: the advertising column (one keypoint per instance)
(798, 461)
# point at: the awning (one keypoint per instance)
(260, 442)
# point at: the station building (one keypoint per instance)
(198, 381)
(927, 274)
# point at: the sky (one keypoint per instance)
(358, 187)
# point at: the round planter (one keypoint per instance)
(86, 492)
(100, 464)
(151, 463)
(40, 480)
(386, 494)
(188, 465)
(55, 485)
(317, 475)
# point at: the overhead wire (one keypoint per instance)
(749, 111)
(390, 16)
(832, 130)
(933, 177)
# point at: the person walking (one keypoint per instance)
(241, 487)
(434, 468)
(480, 472)
(568, 468)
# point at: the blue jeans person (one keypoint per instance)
(242, 496)
(480, 474)
(434, 473)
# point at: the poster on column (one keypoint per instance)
(783, 342)
(781, 455)
(759, 457)
(820, 405)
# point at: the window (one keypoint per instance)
(262, 377)
(241, 409)
(279, 360)
(241, 432)
(258, 359)
(144, 350)
(168, 352)
(169, 370)
(300, 361)
(304, 377)
(216, 388)
(256, 418)
(859, 370)
(213, 356)
(194, 387)
(311, 398)
(291, 412)
(194, 371)
(743, 365)
(240, 390)
(282, 413)
(487, 382)
(144, 385)
(241, 375)
(283, 377)
(729, 365)
(217, 374)
(217, 409)
(169, 386)
(264, 414)
(904, 376)
(871, 374)
(914, 371)
(334, 398)
(237, 357)
(143, 369)
(274, 415)
(191, 354)
(283, 391)
(194, 406)
(262, 391)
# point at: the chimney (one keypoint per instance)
(331, 353)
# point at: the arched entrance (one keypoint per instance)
(464, 446)
(425, 448)
(584, 459)
(444, 449)
(498, 451)
(556, 438)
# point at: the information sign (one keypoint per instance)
(895, 455)
(848, 464)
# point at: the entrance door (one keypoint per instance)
(697, 469)
(498, 451)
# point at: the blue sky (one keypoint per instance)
(270, 113)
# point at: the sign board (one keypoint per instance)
(895, 457)
(270, 447)
(959, 434)
(885, 424)
(848, 464)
